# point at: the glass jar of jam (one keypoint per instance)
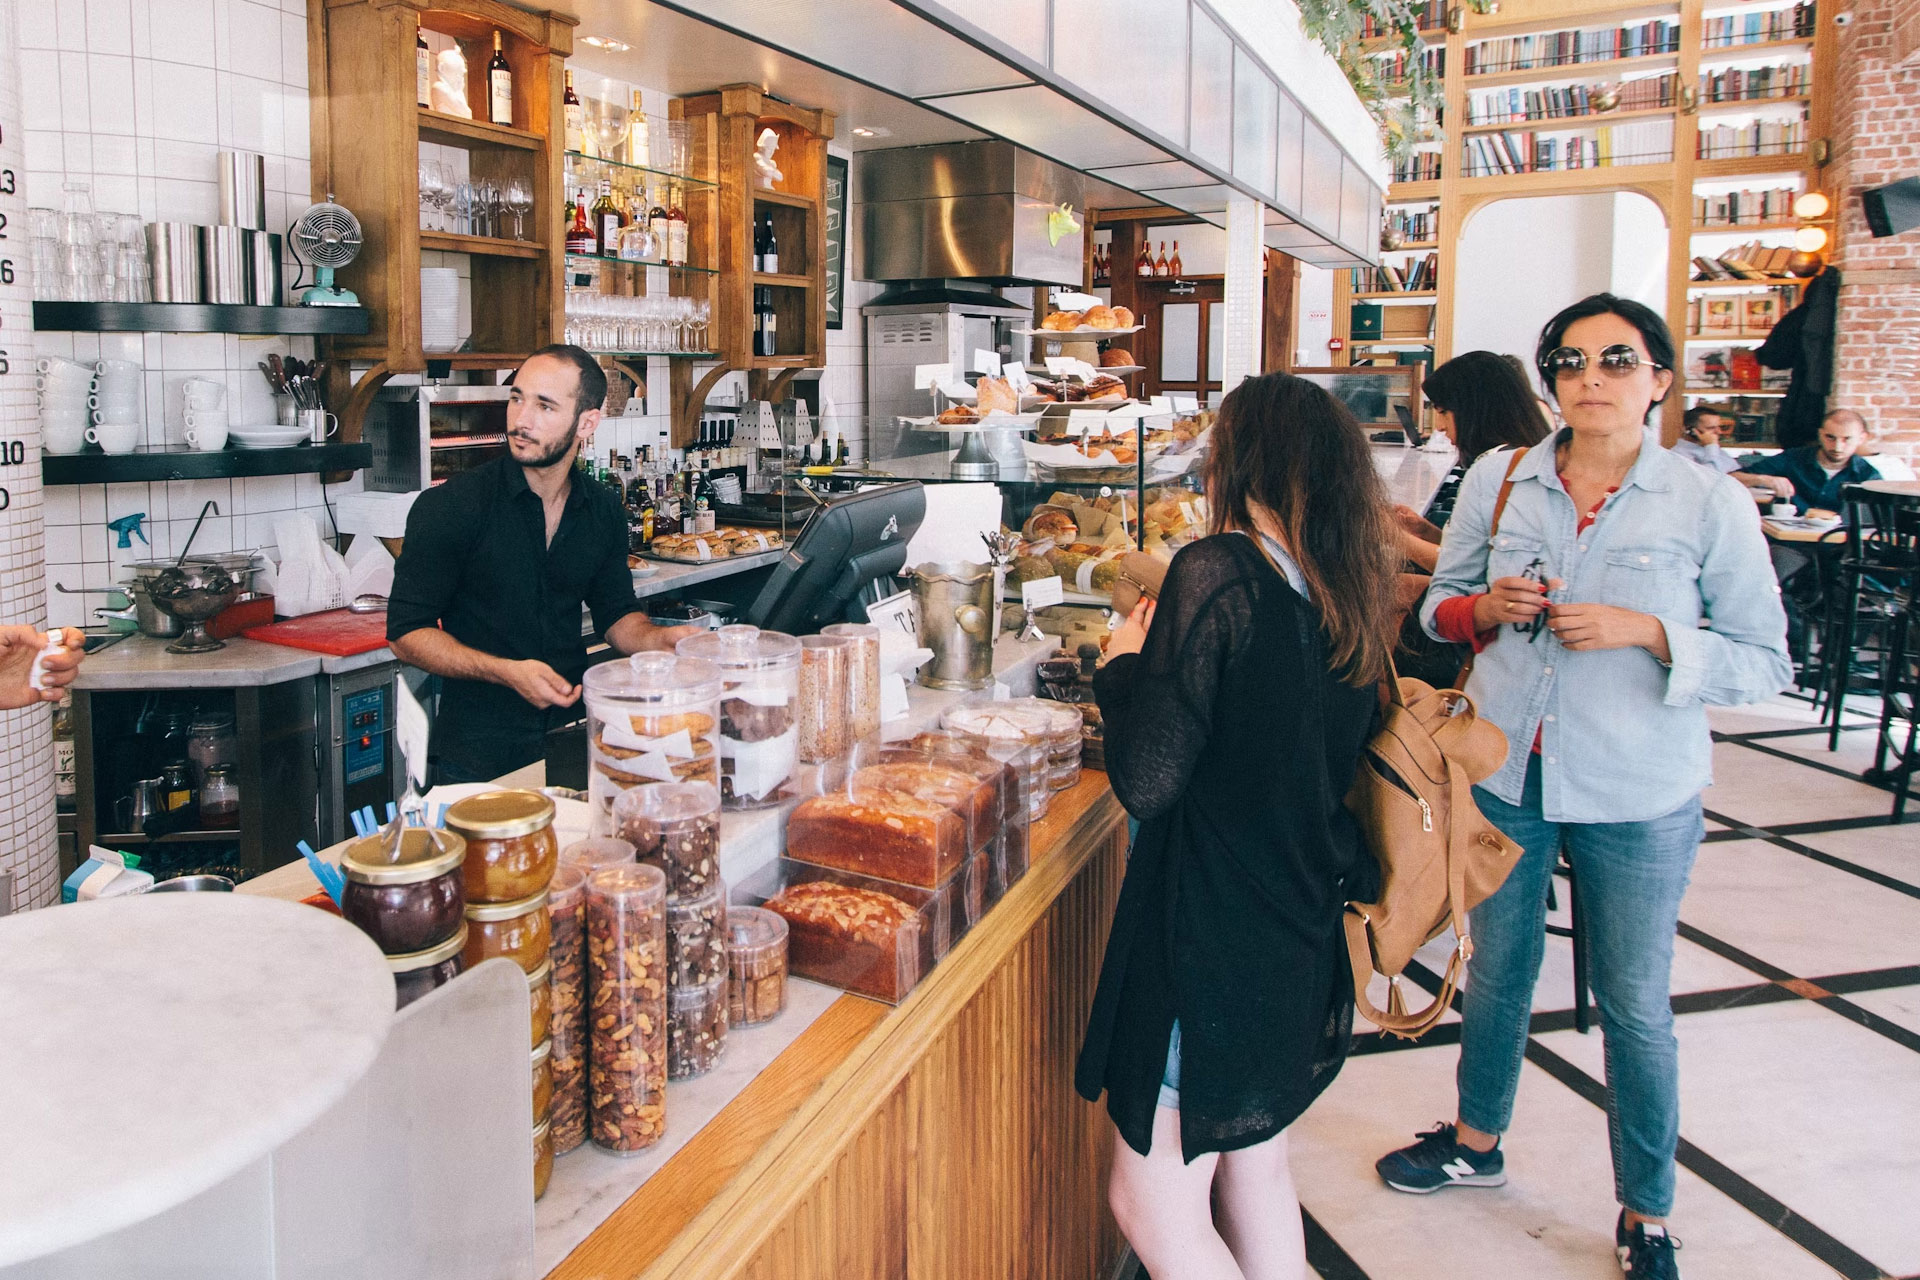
(419, 972)
(542, 1080)
(542, 1158)
(521, 930)
(540, 1002)
(511, 848)
(407, 899)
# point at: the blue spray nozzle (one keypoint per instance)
(128, 526)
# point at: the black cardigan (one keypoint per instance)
(1235, 746)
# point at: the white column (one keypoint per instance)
(28, 846)
(1246, 302)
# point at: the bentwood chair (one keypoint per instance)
(1899, 719)
(1874, 583)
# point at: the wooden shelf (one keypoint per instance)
(781, 362)
(195, 317)
(1601, 175)
(1736, 336)
(1740, 166)
(1739, 228)
(1728, 392)
(665, 355)
(479, 359)
(782, 280)
(766, 195)
(1412, 245)
(486, 246)
(1771, 282)
(175, 463)
(640, 262)
(1562, 124)
(1730, 52)
(1748, 104)
(1405, 192)
(440, 127)
(1414, 295)
(686, 179)
(1571, 71)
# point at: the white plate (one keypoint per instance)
(268, 437)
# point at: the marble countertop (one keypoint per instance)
(668, 576)
(1413, 476)
(142, 662)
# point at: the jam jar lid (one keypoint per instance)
(408, 961)
(742, 648)
(488, 912)
(541, 973)
(500, 815)
(422, 855)
(543, 1051)
(660, 678)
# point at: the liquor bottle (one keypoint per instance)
(689, 514)
(760, 243)
(576, 117)
(770, 245)
(422, 70)
(1143, 265)
(704, 497)
(843, 458)
(63, 775)
(606, 219)
(676, 229)
(580, 237)
(1173, 263)
(765, 338)
(612, 475)
(1160, 263)
(638, 147)
(657, 221)
(499, 86)
(642, 518)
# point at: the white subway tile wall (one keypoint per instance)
(135, 98)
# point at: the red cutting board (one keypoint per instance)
(340, 632)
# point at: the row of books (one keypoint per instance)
(1431, 16)
(1643, 142)
(1755, 138)
(1421, 166)
(1749, 84)
(1424, 225)
(1758, 27)
(1414, 277)
(1497, 106)
(1745, 315)
(1562, 48)
(1393, 65)
(1732, 368)
(1732, 208)
(1750, 261)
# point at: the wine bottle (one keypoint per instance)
(1173, 263)
(676, 229)
(576, 117)
(772, 264)
(606, 219)
(704, 496)
(765, 327)
(1160, 263)
(657, 222)
(638, 147)
(422, 69)
(499, 86)
(1143, 265)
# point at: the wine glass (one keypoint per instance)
(519, 198)
(608, 129)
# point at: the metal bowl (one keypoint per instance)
(193, 592)
(194, 884)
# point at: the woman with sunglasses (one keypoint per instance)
(1585, 592)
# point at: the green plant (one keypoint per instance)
(1407, 109)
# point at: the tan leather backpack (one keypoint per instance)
(1439, 858)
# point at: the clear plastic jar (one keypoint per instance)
(696, 1029)
(540, 1003)
(651, 718)
(520, 930)
(542, 1080)
(627, 1011)
(419, 972)
(759, 733)
(595, 852)
(219, 799)
(409, 900)
(567, 907)
(697, 939)
(825, 723)
(542, 1158)
(863, 676)
(511, 848)
(1013, 733)
(210, 741)
(676, 827)
(757, 963)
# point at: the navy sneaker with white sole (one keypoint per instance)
(1438, 1161)
(1645, 1250)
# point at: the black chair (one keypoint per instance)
(1899, 695)
(1575, 928)
(1875, 577)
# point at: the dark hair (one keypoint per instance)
(1285, 446)
(1653, 332)
(591, 392)
(1491, 403)
(1691, 418)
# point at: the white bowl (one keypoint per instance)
(270, 436)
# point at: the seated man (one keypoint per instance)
(1812, 476)
(1700, 439)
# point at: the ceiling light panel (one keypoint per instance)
(1255, 99)
(1211, 102)
(1021, 25)
(1052, 124)
(1320, 193)
(1211, 199)
(1165, 173)
(1130, 54)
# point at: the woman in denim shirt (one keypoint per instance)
(1626, 550)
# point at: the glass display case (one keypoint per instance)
(1380, 396)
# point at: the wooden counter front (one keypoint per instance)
(938, 1139)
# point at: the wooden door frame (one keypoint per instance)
(1210, 290)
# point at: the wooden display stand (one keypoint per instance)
(367, 131)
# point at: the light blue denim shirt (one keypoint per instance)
(1622, 737)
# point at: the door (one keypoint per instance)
(1184, 338)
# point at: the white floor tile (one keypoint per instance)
(1761, 790)
(1808, 918)
(1900, 1005)
(1889, 849)
(1553, 1219)
(1822, 1114)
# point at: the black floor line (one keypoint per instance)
(1325, 1255)
(1861, 823)
(1780, 837)
(1821, 765)
(1804, 731)
(1768, 1208)
(1868, 874)
(1905, 975)
(1727, 951)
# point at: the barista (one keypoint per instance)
(496, 565)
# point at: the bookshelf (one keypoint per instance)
(1759, 63)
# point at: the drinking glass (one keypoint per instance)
(429, 181)
(519, 198)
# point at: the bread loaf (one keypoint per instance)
(860, 940)
(887, 834)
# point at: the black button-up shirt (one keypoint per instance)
(477, 564)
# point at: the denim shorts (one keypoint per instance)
(1170, 1082)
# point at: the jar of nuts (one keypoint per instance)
(627, 1006)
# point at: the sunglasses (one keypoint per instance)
(1618, 360)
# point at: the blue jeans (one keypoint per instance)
(1631, 876)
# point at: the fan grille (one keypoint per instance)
(327, 235)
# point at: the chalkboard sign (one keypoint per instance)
(836, 214)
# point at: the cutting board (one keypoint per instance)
(339, 632)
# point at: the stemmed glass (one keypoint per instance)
(433, 187)
(519, 197)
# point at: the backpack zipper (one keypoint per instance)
(1392, 775)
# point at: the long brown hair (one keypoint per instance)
(1286, 447)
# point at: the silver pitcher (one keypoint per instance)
(957, 618)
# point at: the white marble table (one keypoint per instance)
(157, 1045)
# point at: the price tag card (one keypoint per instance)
(1186, 404)
(1081, 422)
(954, 389)
(1041, 592)
(1163, 403)
(927, 376)
(1060, 366)
(987, 362)
(1016, 374)
(1130, 411)
(896, 615)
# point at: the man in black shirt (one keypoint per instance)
(498, 561)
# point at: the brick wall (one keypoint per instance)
(1877, 92)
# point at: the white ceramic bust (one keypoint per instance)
(763, 164)
(450, 84)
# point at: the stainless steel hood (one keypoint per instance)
(967, 211)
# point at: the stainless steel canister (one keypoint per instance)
(173, 250)
(957, 622)
(263, 267)
(223, 265)
(243, 189)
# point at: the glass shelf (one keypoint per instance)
(689, 179)
(643, 355)
(641, 262)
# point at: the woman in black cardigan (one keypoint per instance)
(1235, 711)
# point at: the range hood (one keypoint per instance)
(967, 211)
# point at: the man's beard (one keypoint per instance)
(550, 456)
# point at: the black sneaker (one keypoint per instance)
(1645, 1250)
(1439, 1160)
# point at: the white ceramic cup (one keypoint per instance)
(117, 369)
(65, 437)
(117, 388)
(62, 384)
(208, 432)
(117, 415)
(73, 419)
(115, 437)
(203, 421)
(203, 393)
(60, 364)
(116, 399)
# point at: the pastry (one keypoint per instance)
(1122, 318)
(1116, 358)
(857, 939)
(996, 395)
(1054, 524)
(910, 774)
(958, 414)
(1030, 569)
(1099, 317)
(1061, 321)
(887, 833)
